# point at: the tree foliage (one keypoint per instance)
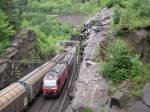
(9, 8)
(6, 30)
(131, 15)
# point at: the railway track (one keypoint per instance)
(54, 105)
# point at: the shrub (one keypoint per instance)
(118, 65)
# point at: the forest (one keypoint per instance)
(35, 15)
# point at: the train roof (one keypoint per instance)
(59, 68)
(10, 93)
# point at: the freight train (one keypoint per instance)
(54, 80)
(17, 96)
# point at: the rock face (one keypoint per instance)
(139, 41)
(139, 107)
(91, 87)
(146, 94)
(22, 48)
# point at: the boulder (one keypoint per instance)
(118, 99)
(3, 67)
(146, 94)
(139, 107)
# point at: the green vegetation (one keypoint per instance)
(35, 15)
(5, 28)
(118, 63)
(140, 80)
(6, 32)
(9, 8)
(49, 30)
(4, 44)
(64, 6)
(88, 109)
(112, 87)
(131, 15)
(111, 3)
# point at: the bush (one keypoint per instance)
(118, 64)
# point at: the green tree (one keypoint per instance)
(6, 30)
(9, 9)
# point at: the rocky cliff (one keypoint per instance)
(91, 87)
(139, 42)
(12, 61)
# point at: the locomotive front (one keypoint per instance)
(50, 87)
(53, 81)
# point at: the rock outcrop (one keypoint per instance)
(139, 107)
(12, 66)
(139, 42)
(91, 87)
(146, 94)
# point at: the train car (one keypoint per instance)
(54, 80)
(70, 58)
(13, 98)
(33, 81)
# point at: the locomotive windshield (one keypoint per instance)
(50, 83)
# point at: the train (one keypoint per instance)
(54, 80)
(17, 96)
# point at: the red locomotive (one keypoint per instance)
(54, 81)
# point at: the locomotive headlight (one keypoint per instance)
(44, 91)
(54, 88)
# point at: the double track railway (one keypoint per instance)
(56, 105)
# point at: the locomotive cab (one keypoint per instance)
(54, 80)
(50, 87)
